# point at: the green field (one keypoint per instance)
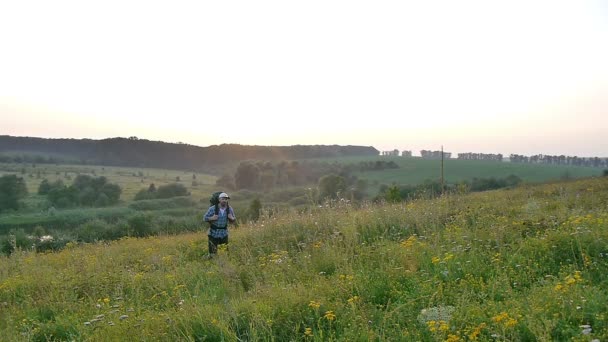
(414, 171)
(526, 264)
(130, 179)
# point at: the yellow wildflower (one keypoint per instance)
(500, 317)
(409, 242)
(511, 322)
(329, 315)
(435, 260)
(570, 280)
(314, 304)
(308, 332)
(353, 299)
(452, 338)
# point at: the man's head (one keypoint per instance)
(224, 199)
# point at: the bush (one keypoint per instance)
(144, 194)
(50, 244)
(7, 246)
(171, 190)
(91, 231)
(140, 225)
(85, 190)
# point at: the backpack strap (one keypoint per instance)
(217, 211)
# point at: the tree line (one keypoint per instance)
(267, 175)
(434, 154)
(480, 156)
(560, 160)
(145, 153)
(84, 191)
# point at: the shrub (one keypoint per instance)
(140, 225)
(86, 191)
(7, 246)
(171, 190)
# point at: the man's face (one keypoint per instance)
(223, 201)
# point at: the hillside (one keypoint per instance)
(157, 154)
(517, 265)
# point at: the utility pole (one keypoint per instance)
(441, 170)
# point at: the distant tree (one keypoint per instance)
(12, 190)
(247, 176)
(63, 197)
(85, 190)
(330, 186)
(44, 187)
(267, 180)
(102, 200)
(112, 191)
(606, 173)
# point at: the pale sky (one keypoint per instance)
(505, 77)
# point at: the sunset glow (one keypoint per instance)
(497, 77)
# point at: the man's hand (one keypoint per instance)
(231, 217)
(213, 218)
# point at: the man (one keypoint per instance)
(218, 217)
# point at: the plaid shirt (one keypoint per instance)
(222, 221)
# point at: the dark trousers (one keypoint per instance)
(214, 242)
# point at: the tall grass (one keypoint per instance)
(513, 265)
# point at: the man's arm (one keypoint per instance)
(210, 215)
(231, 216)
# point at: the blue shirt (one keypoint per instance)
(222, 222)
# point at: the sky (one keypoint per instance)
(524, 77)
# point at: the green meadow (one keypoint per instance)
(130, 179)
(524, 264)
(415, 170)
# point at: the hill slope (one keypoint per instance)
(158, 154)
(521, 264)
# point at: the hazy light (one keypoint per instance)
(517, 76)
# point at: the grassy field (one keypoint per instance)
(513, 265)
(130, 179)
(414, 171)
